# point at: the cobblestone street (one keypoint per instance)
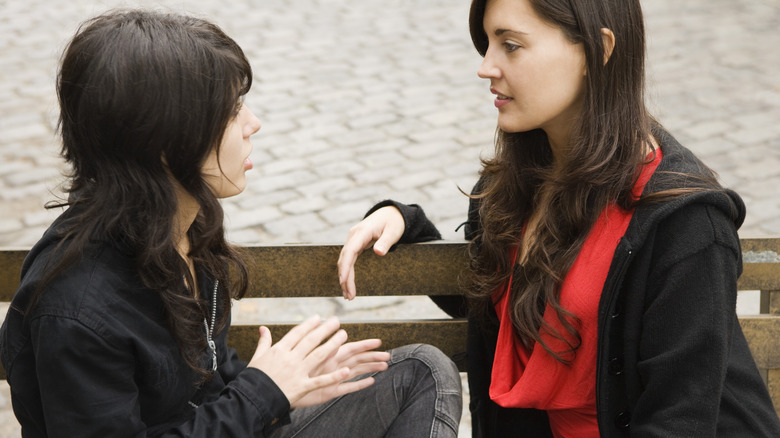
(363, 100)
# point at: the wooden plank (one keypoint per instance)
(763, 334)
(761, 264)
(760, 244)
(773, 384)
(449, 335)
(10, 267)
(310, 271)
(421, 269)
(759, 276)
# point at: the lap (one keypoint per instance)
(417, 373)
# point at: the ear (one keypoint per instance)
(608, 39)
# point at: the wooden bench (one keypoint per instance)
(433, 269)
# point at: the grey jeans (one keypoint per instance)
(419, 395)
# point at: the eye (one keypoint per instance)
(510, 47)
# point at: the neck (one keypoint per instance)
(187, 209)
(559, 145)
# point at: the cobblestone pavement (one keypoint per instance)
(363, 100)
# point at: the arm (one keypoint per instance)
(688, 324)
(88, 382)
(390, 222)
(88, 389)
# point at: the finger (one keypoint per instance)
(353, 386)
(352, 348)
(329, 379)
(367, 368)
(294, 336)
(320, 358)
(346, 266)
(348, 256)
(309, 343)
(367, 357)
(351, 288)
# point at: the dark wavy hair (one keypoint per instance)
(144, 98)
(605, 155)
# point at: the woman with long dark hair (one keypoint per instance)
(119, 325)
(604, 255)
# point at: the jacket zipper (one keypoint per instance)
(210, 328)
(210, 333)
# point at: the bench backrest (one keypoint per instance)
(433, 269)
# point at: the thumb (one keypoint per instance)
(265, 341)
(383, 244)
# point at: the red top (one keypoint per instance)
(534, 379)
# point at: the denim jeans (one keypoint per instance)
(419, 395)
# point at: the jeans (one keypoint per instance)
(419, 395)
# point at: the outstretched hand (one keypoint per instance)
(382, 229)
(359, 359)
(309, 371)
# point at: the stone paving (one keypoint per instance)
(363, 100)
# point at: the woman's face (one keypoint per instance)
(536, 73)
(225, 174)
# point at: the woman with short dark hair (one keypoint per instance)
(119, 325)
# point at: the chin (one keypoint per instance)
(511, 125)
(511, 128)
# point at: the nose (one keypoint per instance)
(252, 124)
(488, 69)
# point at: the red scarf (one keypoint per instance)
(523, 378)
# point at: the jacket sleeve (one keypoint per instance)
(88, 389)
(688, 325)
(418, 228)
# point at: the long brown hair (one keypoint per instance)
(144, 97)
(606, 152)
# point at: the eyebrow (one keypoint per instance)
(500, 32)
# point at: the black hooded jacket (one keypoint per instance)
(672, 360)
(95, 358)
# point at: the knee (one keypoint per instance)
(441, 367)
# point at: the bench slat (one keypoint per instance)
(762, 333)
(424, 269)
(310, 271)
(450, 337)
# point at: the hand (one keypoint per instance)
(300, 363)
(383, 228)
(355, 356)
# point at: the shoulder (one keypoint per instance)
(695, 228)
(97, 290)
(697, 208)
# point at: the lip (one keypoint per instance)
(248, 164)
(501, 99)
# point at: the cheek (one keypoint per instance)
(565, 79)
(210, 166)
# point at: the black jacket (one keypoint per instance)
(95, 358)
(672, 358)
